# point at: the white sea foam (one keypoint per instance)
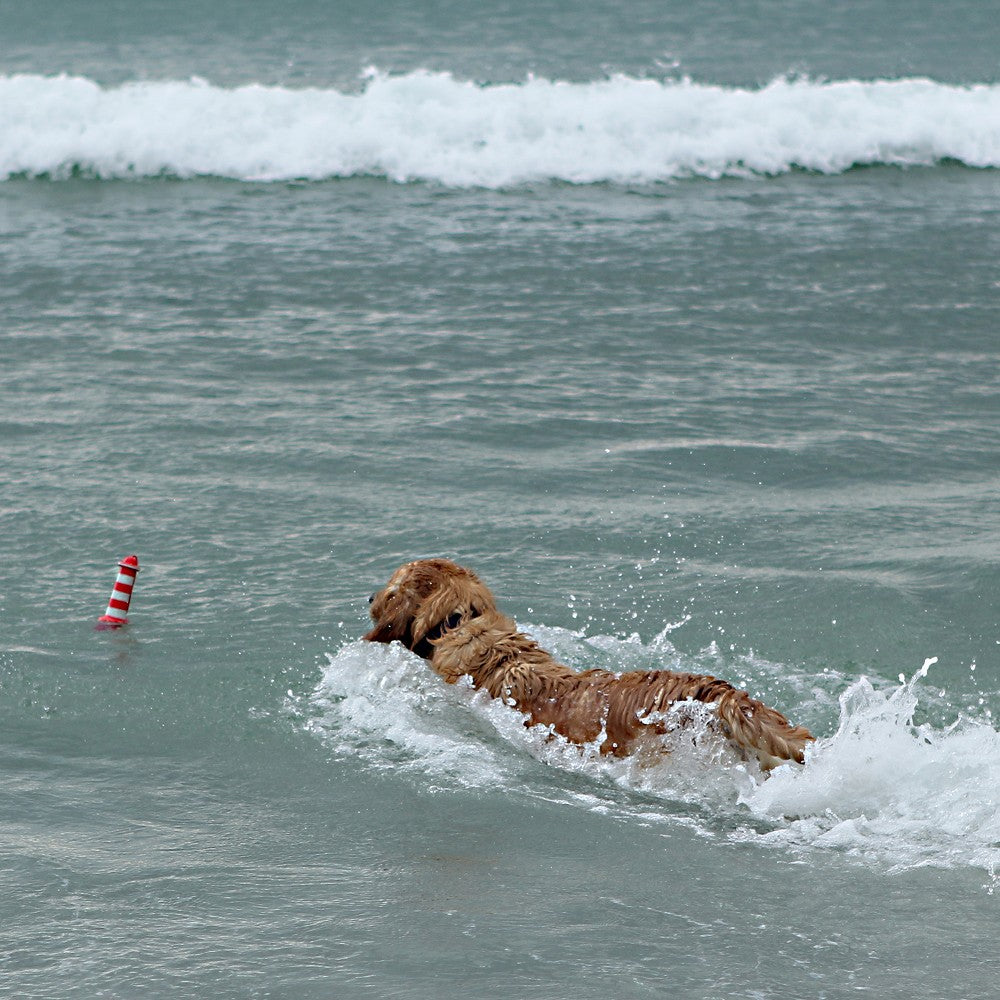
(382, 704)
(433, 127)
(882, 788)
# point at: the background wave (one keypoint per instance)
(427, 126)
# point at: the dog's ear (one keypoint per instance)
(393, 618)
(423, 598)
(456, 595)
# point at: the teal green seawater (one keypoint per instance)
(724, 402)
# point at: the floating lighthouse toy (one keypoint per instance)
(114, 617)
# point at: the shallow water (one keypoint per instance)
(743, 425)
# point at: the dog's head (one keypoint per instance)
(425, 598)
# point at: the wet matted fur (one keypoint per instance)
(447, 615)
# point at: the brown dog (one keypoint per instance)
(445, 614)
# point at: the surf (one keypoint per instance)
(433, 127)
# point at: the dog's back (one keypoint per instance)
(446, 614)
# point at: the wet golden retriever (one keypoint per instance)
(444, 613)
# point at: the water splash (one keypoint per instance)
(888, 788)
(883, 787)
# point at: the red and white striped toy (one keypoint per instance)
(114, 617)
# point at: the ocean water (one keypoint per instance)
(679, 323)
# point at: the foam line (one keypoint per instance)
(426, 126)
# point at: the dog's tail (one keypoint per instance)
(762, 731)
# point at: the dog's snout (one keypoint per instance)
(371, 598)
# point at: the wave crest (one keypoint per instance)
(430, 126)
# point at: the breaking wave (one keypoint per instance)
(430, 126)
